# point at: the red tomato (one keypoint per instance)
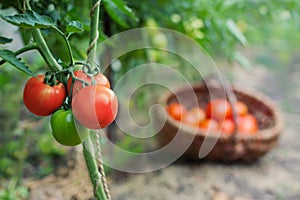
(99, 79)
(190, 119)
(95, 106)
(42, 99)
(227, 127)
(194, 116)
(241, 108)
(247, 124)
(209, 125)
(219, 109)
(176, 110)
(199, 113)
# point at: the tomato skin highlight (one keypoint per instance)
(247, 124)
(241, 108)
(219, 109)
(227, 126)
(99, 79)
(176, 110)
(95, 106)
(190, 119)
(66, 130)
(193, 116)
(42, 99)
(209, 125)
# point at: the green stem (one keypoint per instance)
(92, 167)
(43, 47)
(91, 163)
(67, 42)
(45, 51)
(92, 51)
(24, 49)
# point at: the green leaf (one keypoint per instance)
(25, 35)
(236, 32)
(10, 57)
(74, 26)
(4, 40)
(118, 10)
(29, 19)
(242, 60)
(120, 4)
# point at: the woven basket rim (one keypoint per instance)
(263, 134)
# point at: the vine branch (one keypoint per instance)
(43, 47)
(98, 180)
(67, 42)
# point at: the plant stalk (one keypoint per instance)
(45, 51)
(91, 162)
(43, 47)
(94, 34)
(92, 167)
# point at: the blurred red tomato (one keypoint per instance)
(194, 116)
(176, 110)
(219, 109)
(227, 126)
(247, 124)
(209, 125)
(241, 108)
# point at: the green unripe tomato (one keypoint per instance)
(66, 130)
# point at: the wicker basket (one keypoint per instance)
(236, 147)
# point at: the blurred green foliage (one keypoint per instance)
(222, 27)
(27, 146)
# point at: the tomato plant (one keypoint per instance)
(66, 130)
(219, 109)
(42, 99)
(176, 110)
(44, 94)
(99, 79)
(95, 106)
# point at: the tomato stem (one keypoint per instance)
(45, 51)
(94, 34)
(68, 44)
(99, 192)
(92, 167)
(43, 47)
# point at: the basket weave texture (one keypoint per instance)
(237, 147)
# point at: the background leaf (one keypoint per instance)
(4, 40)
(74, 26)
(120, 4)
(29, 19)
(235, 31)
(119, 12)
(10, 57)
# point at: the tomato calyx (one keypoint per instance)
(50, 79)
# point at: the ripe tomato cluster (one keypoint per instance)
(93, 104)
(217, 116)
